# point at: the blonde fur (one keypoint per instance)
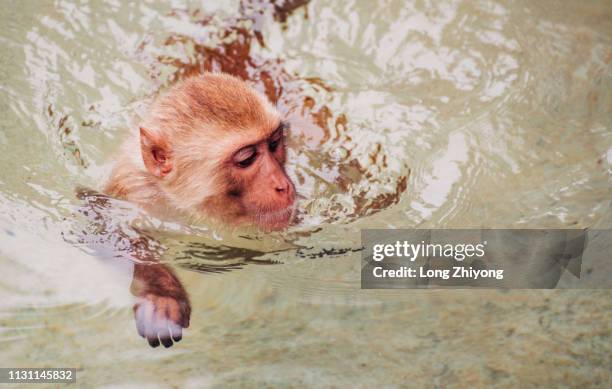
(201, 118)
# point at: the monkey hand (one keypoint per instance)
(162, 309)
(161, 319)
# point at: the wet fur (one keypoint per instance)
(200, 118)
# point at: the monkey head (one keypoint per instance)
(215, 148)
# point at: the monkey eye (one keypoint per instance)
(275, 138)
(245, 157)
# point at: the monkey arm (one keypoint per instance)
(162, 307)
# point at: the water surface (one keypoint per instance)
(405, 114)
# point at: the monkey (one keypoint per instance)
(210, 148)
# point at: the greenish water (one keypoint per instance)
(406, 114)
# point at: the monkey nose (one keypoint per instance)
(283, 187)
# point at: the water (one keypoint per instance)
(424, 114)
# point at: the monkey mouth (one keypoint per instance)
(275, 220)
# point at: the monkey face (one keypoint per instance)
(258, 187)
(237, 180)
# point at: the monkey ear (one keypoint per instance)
(156, 153)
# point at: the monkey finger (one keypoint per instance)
(149, 322)
(139, 319)
(173, 312)
(166, 340)
(176, 331)
(161, 320)
(185, 314)
(164, 333)
(153, 341)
